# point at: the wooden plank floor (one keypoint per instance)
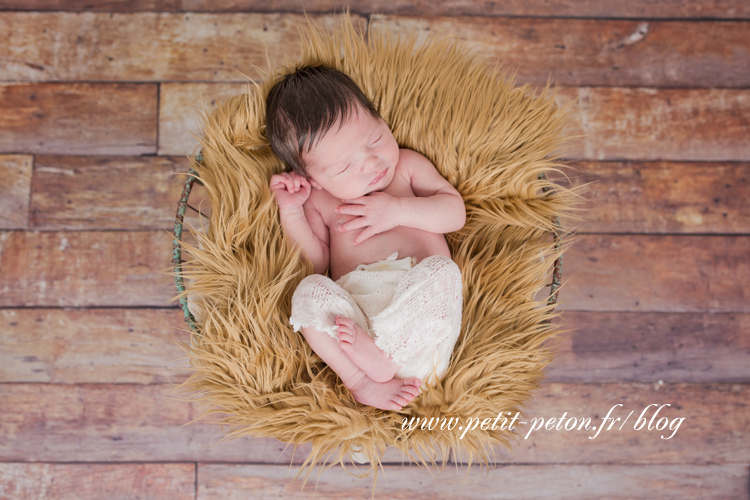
(98, 100)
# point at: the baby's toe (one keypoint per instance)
(392, 405)
(401, 400)
(410, 389)
(413, 382)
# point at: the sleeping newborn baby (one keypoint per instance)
(374, 215)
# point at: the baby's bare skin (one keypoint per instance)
(362, 351)
(379, 389)
(362, 208)
(407, 241)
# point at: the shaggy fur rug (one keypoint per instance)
(489, 139)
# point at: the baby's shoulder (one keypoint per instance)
(411, 162)
(407, 155)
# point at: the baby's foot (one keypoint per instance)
(360, 348)
(391, 395)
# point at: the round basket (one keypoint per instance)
(494, 142)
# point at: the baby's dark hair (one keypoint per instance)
(303, 105)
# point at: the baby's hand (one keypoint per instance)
(377, 213)
(290, 189)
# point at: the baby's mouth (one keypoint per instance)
(378, 177)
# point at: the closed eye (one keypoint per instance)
(344, 169)
(376, 140)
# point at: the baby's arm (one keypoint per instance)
(305, 226)
(438, 207)
(301, 221)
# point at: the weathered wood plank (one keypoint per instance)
(700, 438)
(659, 124)
(144, 47)
(109, 268)
(78, 118)
(639, 9)
(601, 52)
(43, 422)
(92, 346)
(180, 108)
(610, 124)
(623, 197)
(664, 197)
(119, 423)
(138, 346)
(97, 481)
(80, 192)
(657, 273)
(15, 191)
(648, 347)
(51, 46)
(512, 482)
(601, 272)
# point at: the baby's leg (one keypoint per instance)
(361, 349)
(423, 319)
(391, 395)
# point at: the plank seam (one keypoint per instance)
(367, 14)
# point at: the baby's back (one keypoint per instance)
(407, 241)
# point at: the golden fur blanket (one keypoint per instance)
(489, 139)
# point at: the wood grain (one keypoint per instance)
(649, 347)
(659, 124)
(78, 118)
(575, 52)
(119, 423)
(715, 429)
(512, 482)
(79, 269)
(609, 124)
(120, 269)
(15, 191)
(622, 197)
(657, 273)
(663, 197)
(180, 111)
(97, 481)
(144, 47)
(79, 192)
(137, 346)
(80, 346)
(87, 46)
(125, 422)
(695, 9)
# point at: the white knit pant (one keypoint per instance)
(412, 312)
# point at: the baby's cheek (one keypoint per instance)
(395, 153)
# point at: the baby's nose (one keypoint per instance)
(371, 166)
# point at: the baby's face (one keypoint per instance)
(347, 160)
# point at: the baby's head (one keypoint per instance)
(305, 116)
